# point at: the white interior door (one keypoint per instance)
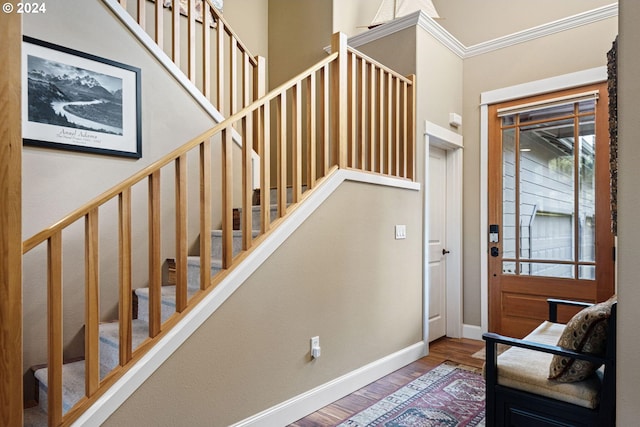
(437, 244)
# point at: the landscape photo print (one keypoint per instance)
(77, 101)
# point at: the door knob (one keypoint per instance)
(444, 252)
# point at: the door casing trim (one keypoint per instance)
(452, 143)
(537, 87)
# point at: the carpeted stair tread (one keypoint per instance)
(35, 417)
(110, 342)
(72, 385)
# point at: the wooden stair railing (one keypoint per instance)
(220, 65)
(346, 111)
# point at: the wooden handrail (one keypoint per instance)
(325, 97)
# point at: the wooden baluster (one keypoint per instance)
(265, 169)
(296, 143)
(311, 130)
(411, 129)
(339, 102)
(362, 111)
(159, 18)
(155, 262)
(206, 50)
(205, 214)
(396, 168)
(372, 117)
(54, 335)
(142, 18)
(405, 122)
(11, 369)
(281, 154)
(125, 307)
(175, 32)
(92, 304)
(247, 72)
(324, 108)
(353, 118)
(191, 40)
(380, 118)
(259, 90)
(227, 198)
(247, 181)
(233, 75)
(220, 68)
(389, 124)
(181, 233)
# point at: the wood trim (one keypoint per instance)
(191, 39)
(296, 143)
(247, 217)
(265, 168)
(206, 54)
(159, 23)
(312, 100)
(182, 247)
(205, 213)
(281, 153)
(220, 68)
(125, 308)
(175, 32)
(54, 328)
(227, 198)
(339, 85)
(92, 303)
(11, 385)
(155, 254)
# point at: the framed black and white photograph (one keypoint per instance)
(77, 101)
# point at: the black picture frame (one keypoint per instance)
(73, 100)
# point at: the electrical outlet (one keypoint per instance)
(401, 232)
(315, 347)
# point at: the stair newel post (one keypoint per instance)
(247, 187)
(92, 303)
(11, 371)
(155, 263)
(339, 102)
(181, 233)
(205, 214)
(124, 260)
(411, 129)
(227, 198)
(54, 326)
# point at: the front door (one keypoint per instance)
(549, 206)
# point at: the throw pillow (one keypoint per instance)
(585, 332)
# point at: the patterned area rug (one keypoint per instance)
(448, 395)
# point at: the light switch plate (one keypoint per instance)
(401, 232)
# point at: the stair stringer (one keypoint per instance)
(122, 389)
(181, 78)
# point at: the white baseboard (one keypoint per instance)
(472, 332)
(306, 403)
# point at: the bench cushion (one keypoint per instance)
(528, 370)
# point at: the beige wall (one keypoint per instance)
(566, 52)
(628, 220)
(353, 17)
(340, 276)
(249, 19)
(298, 32)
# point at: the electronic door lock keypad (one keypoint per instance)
(493, 233)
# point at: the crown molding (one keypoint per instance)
(564, 24)
(436, 30)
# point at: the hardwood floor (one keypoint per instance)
(455, 350)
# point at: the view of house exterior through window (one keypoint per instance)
(549, 191)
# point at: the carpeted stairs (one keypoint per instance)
(73, 374)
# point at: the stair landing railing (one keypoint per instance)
(347, 111)
(195, 35)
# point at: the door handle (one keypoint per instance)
(444, 252)
(495, 251)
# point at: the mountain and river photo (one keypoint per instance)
(73, 97)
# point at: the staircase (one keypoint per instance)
(73, 373)
(347, 111)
